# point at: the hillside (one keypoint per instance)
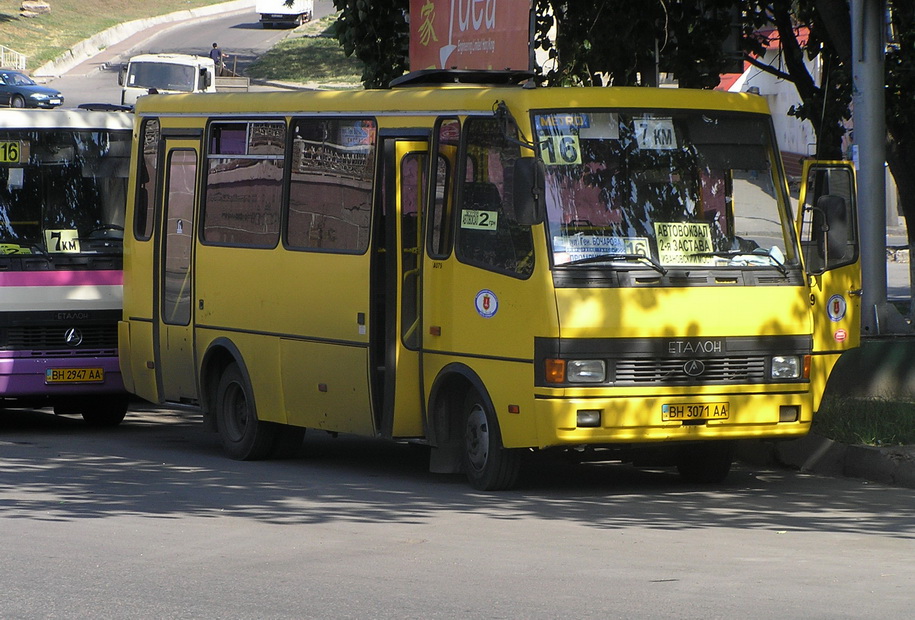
(45, 37)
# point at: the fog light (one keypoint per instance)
(785, 367)
(789, 413)
(588, 418)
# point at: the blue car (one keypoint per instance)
(18, 90)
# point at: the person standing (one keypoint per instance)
(217, 56)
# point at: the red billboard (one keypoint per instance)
(470, 34)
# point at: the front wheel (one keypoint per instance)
(106, 412)
(17, 101)
(488, 465)
(243, 436)
(99, 411)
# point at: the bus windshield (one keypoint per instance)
(162, 75)
(656, 189)
(62, 192)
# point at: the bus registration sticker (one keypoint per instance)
(682, 412)
(479, 220)
(487, 304)
(74, 375)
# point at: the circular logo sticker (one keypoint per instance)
(836, 308)
(841, 335)
(486, 303)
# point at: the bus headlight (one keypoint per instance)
(785, 367)
(586, 371)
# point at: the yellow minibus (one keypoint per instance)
(485, 267)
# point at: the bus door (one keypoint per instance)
(404, 173)
(174, 285)
(827, 222)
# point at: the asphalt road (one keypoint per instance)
(150, 520)
(238, 33)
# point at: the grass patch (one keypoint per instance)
(309, 56)
(46, 37)
(868, 421)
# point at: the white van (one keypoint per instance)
(166, 73)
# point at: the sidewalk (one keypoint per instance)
(892, 465)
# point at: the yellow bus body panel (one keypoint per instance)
(294, 317)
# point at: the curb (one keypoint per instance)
(92, 46)
(894, 465)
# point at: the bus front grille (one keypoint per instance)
(686, 371)
(55, 338)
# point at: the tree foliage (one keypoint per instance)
(376, 32)
(624, 43)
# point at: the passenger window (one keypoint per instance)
(441, 221)
(244, 185)
(145, 206)
(489, 234)
(330, 190)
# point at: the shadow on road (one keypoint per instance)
(160, 463)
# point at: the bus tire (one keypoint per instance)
(705, 463)
(243, 436)
(288, 441)
(106, 411)
(487, 464)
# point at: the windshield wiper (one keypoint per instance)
(774, 262)
(624, 257)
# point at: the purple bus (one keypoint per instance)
(63, 183)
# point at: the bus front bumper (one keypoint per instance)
(46, 376)
(675, 417)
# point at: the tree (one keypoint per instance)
(377, 33)
(806, 29)
(827, 104)
(685, 37)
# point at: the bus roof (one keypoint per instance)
(64, 119)
(174, 59)
(445, 99)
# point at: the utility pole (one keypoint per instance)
(868, 26)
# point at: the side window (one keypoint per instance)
(145, 206)
(441, 211)
(244, 184)
(489, 234)
(179, 222)
(330, 190)
(829, 235)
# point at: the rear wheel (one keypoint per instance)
(708, 462)
(17, 101)
(488, 465)
(243, 436)
(288, 441)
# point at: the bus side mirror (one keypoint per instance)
(528, 183)
(830, 227)
(205, 79)
(122, 75)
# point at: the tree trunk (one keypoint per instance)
(902, 163)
